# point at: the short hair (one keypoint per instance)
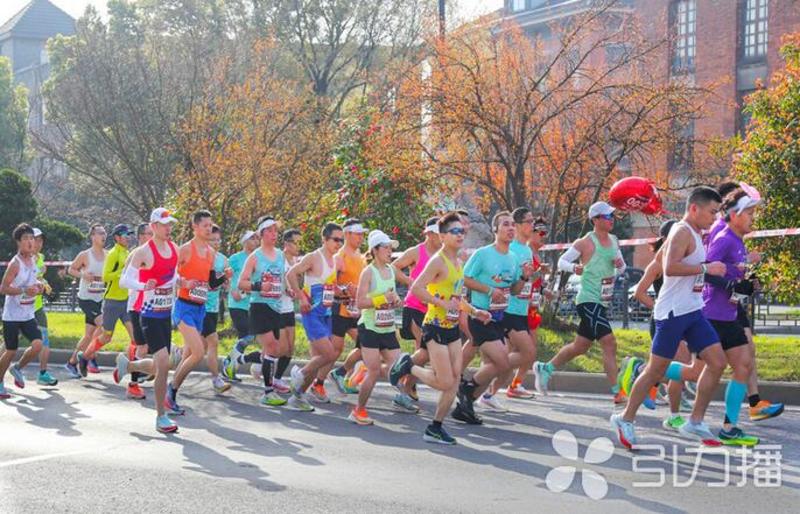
(496, 219)
(350, 222)
(93, 227)
(215, 229)
(20, 230)
(329, 229)
(290, 233)
(730, 200)
(702, 196)
(462, 212)
(141, 228)
(447, 220)
(433, 220)
(519, 214)
(725, 188)
(199, 215)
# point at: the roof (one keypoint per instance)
(40, 19)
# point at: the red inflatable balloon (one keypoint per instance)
(654, 207)
(632, 194)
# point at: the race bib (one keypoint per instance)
(327, 295)
(26, 299)
(527, 289)
(501, 306)
(96, 285)
(536, 300)
(453, 314)
(352, 309)
(271, 285)
(159, 299)
(199, 293)
(699, 280)
(607, 289)
(384, 317)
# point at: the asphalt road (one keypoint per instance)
(82, 447)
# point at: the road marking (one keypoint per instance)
(48, 456)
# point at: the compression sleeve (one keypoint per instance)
(567, 260)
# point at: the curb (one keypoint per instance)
(561, 382)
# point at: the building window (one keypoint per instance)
(754, 30)
(681, 154)
(517, 5)
(743, 117)
(683, 23)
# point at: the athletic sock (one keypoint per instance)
(436, 424)
(283, 363)
(251, 357)
(753, 399)
(734, 396)
(267, 368)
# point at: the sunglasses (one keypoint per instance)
(607, 217)
(542, 233)
(456, 231)
(339, 240)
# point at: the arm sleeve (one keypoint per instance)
(130, 279)
(621, 271)
(214, 281)
(567, 260)
(112, 268)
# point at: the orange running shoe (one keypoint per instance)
(359, 374)
(319, 394)
(360, 417)
(135, 392)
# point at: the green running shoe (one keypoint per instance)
(46, 379)
(673, 422)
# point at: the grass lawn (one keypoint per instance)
(778, 358)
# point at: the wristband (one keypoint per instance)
(379, 300)
(703, 269)
(255, 286)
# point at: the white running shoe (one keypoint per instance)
(255, 370)
(492, 403)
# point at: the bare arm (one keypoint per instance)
(305, 265)
(406, 260)
(432, 272)
(651, 273)
(364, 285)
(245, 284)
(8, 277)
(76, 268)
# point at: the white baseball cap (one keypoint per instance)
(600, 209)
(247, 235)
(162, 215)
(36, 232)
(265, 225)
(356, 228)
(744, 202)
(378, 237)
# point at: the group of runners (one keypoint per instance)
(459, 305)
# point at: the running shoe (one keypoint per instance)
(662, 395)
(628, 371)
(465, 395)
(620, 398)
(699, 431)
(437, 435)
(72, 370)
(46, 379)
(492, 403)
(673, 422)
(19, 378)
(319, 394)
(412, 391)
(650, 399)
(121, 368)
(460, 413)
(542, 371)
(403, 403)
(135, 392)
(229, 368)
(360, 417)
(359, 374)
(171, 404)
(166, 425)
(765, 410)
(280, 386)
(626, 434)
(272, 399)
(736, 437)
(519, 392)
(83, 365)
(4, 395)
(92, 366)
(296, 381)
(400, 368)
(219, 385)
(255, 371)
(338, 379)
(299, 403)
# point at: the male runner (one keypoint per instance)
(350, 262)
(20, 286)
(139, 350)
(88, 268)
(239, 304)
(493, 274)
(515, 319)
(600, 259)
(115, 298)
(209, 332)
(678, 314)
(316, 300)
(440, 286)
(263, 277)
(196, 277)
(44, 378)
(377, 297)
(152, 270)
(291, 251)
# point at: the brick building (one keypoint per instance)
(733, 42)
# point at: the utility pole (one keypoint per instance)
(442, 19)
